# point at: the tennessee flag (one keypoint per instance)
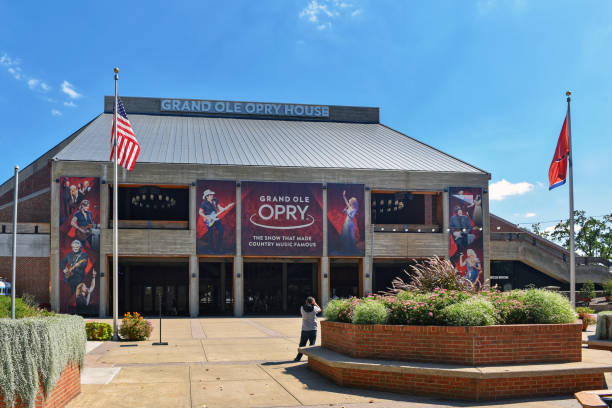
(558, 167)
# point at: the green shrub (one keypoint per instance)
(38, 348)
(98, 331)
(587, 291)
(135, 327)
(584, 310)
(547, 307)
(509, 306)
(21, 309)
(476, 311)
(370, 311)
(340, 310)
(422, 308)
(607, 287)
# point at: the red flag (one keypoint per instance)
(128, 145)
(558, 167)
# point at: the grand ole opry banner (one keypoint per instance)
(282, 219)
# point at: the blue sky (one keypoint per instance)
(482, 80)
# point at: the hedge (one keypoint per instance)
(35, 349)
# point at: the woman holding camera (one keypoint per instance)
(309, 312)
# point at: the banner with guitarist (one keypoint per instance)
(216, 219)
(79, 234)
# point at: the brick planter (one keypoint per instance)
(68, 386)
(477, 345)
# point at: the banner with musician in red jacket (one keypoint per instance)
(345, 219)
(465, 232)
(79, 245)
(216, 218)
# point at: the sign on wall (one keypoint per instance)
(244, 108)
(345, 220)
(282, 219)
(216, 217)
(465, 224)
(79, 241)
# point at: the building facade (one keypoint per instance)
(241, 208)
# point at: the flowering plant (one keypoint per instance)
(135, 327)
(98, 331)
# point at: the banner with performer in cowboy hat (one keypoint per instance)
(216, 217)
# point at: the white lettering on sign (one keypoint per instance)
(267, 109)
(500, 277)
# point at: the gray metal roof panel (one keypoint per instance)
(254, 142)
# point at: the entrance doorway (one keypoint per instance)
(344, 279)
(144, 282)
(385, 271)
(216, 287)
(278, 287)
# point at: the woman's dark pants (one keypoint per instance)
(307, 335)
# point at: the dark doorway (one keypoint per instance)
(143, 282)
(344, 280)
(216, 288)
(386, 272)
(301, 283)
(278, 288)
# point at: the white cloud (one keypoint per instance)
(530, 215)
(13, 67)
(70, 104)
(322, 12)
(502, 189)
(55, 112)
(69, 90)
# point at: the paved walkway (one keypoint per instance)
(231, 362)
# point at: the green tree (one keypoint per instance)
(537, 229)
(592, 236)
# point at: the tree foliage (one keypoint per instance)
(592, 235)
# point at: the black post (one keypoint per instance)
(160, 343)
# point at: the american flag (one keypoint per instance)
(128, 145)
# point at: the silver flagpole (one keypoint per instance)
(115, 222)
(571, 201)
(14, 270)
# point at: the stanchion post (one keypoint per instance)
(160, 343)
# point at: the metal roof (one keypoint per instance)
(254, 142)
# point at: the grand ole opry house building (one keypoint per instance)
(247, 207)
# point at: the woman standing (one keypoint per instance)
(309, 312)
(348, 237)
(474, 270)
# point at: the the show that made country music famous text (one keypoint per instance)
(465, 225)
(79, 233)
(345, 219)
(282, 219)
(216, 219)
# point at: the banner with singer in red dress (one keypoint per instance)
(216, 218)
(345, 220)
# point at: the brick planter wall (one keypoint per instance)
(478, 345)
(473, 389)
(68, 386)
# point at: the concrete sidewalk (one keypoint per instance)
(231, 362)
